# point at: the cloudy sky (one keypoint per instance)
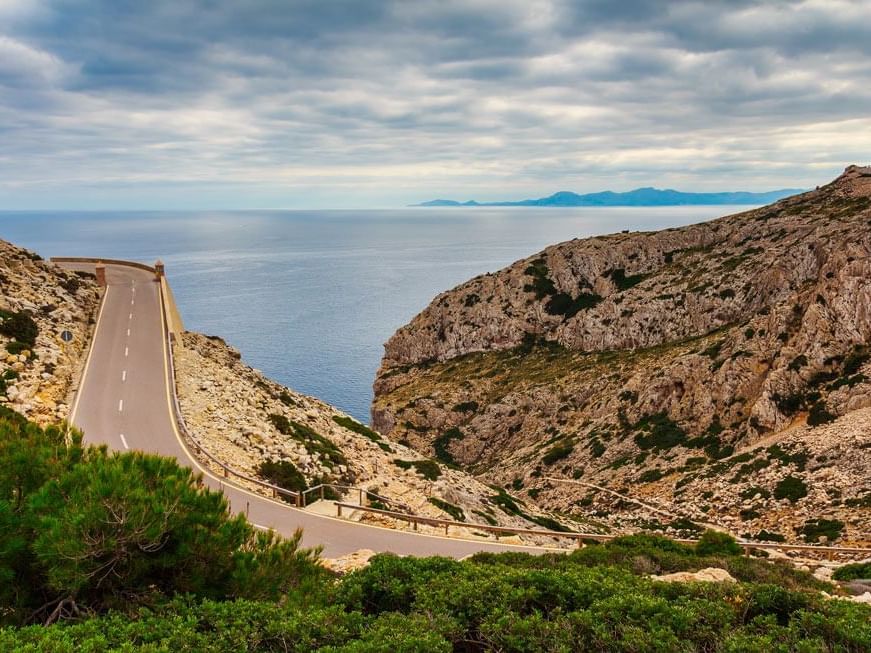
(357, 103)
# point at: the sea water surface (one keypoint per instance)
(309, 297)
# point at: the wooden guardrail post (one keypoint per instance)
(338, 509)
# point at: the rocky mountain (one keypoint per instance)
(719, 371)
(638, 197)
(264, 429)
(38, 301)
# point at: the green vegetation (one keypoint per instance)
(792, 488)
(716, 543)
(83, 531)
(559, 303)
(440, 446)
(568, 306)
(814, 529)
(355, 426)
(284, 474)
(20, 327)
(454, 511)
(658, 432)
(557, 453)
(853, 571)
(623, 282)
(818, 414)
(314, 443)
(427, 468)
(270, 597)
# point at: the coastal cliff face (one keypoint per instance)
(245, 419)
(720, 370)
(38, 301)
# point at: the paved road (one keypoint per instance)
(123, 402)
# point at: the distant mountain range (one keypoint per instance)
(639, 197)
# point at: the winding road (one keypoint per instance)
(124, 402)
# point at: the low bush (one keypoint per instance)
(427, 468)
(717, 543)
(19, 326)
(284, 474)
(356, 427)
(853, 571)
(792, 488)
(454, 511)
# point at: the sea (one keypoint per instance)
(310, 297)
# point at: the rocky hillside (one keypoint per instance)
(718, 370)
(266, 430)
(38, 301)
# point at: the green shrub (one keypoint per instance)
(14, 347)
(440, 446)
(717, 543)
(792, 488)
(658, 432)
(356, 427)
(853, 571)
(454, 511)
(818, 414)
(284, 474)
(427, 468)
(557, 453)
(814, 529)
(19, 326)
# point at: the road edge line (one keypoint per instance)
(72, 416)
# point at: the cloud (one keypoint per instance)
(311, 102)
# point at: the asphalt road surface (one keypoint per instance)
(124, 403)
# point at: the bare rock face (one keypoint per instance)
(655, 364)
(36, 379)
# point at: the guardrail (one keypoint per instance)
(107, 261)
(300, 497)
(581, 538)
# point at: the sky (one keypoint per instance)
(198, 104)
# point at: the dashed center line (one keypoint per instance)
(131, 317)
(132, 301)
(126, 351)
(124, 375)
(124, 441)
(120, 405)
(128, 333)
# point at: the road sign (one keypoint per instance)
(66, 336)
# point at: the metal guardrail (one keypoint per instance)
(298, 498)
(830, 551)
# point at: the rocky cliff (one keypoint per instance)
(719, 370)
(246, 420)
(38, 301)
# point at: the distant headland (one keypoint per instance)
(639, 197)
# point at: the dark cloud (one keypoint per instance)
(388, 102)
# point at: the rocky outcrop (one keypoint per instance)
(38, 301)
(244, 419)
(720, 370)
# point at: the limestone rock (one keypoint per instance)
(707, 575)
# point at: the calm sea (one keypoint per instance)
(309, 297)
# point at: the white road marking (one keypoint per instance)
(124, 375)
(131, 317)
(132, 301)
(120, 405)
(128, 333)
(124, 441)
(262, 528)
